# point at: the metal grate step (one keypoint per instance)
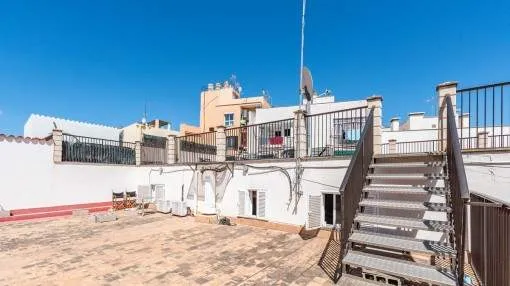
(408, 270)
(402, 222)
(404, 205)
(400, 243)
(408, 165)
(403, 189)
(407, 177)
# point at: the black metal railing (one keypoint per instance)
(154, 153)
(269, 140)
(197, 148)
(354, 179)
(335, 133)
(424, 146)
(490, 243)
(96, 150)
(459, 192)
(484, 109)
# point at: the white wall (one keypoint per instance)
(40, 126)
(30, 179)
(489, 174)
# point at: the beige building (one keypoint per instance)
(222, 105)
(142, 131)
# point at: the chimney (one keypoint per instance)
(218, 85)
(210, 86)
(395, 124)
(416, 120)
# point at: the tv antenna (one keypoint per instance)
(301, 93)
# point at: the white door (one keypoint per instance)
(314, 212)
(209, 206)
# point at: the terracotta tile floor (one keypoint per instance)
(154, 250)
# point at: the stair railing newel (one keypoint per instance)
(459, 192)
(354, 180)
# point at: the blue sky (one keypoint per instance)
(99, 61)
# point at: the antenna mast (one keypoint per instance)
(302, 53)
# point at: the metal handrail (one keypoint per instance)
(354, 179)
(458, 189)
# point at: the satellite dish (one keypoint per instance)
(307, 84)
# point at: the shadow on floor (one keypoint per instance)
(330, 260)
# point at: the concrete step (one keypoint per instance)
(403, 189)
(396, 267)
(400, 243)
(351, 280)
(404, 205)
(402, 222)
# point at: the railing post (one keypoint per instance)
(171, 150)
(300, 134)
(392, 146)
(443, 90)
(57, 145)
(138, 153)
(482, 139)
(375, 102)
(221, 144)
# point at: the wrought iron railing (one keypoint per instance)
(424, 146)
(197, 148)
(95, 150)
(459, 192)
(269, 140)
(483, 109)
(334, 133)
(490, 243)
(354, 179)
(153, 154)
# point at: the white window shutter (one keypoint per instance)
(242, 203)
(314, 212)
(261, 204)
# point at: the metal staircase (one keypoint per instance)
(401, 231)
(403, 215)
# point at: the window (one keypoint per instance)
(286, 132)
(278, 133)
(231, 142)
(229, 119)
(252, 203)
(211, 129)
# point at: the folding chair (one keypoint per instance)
(143, 198)
(130, 200)
(117, 201)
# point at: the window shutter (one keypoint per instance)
(261, 204)
(314, 212)
(242, 203)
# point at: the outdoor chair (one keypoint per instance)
(130, 200)
(143, 198)
(117, 201)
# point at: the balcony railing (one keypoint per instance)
(153, 154)
(334, 133)
(197, 148)
(270, 140)
(95, 150)
(490, 243)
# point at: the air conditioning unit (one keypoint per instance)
(164, 206)
(179, 208)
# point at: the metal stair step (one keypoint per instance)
(406, 176)
(351, 280)
(404, 205)
(402, 222)
(408, 165)
(400, 243)
(408, 270)
(403, 189)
